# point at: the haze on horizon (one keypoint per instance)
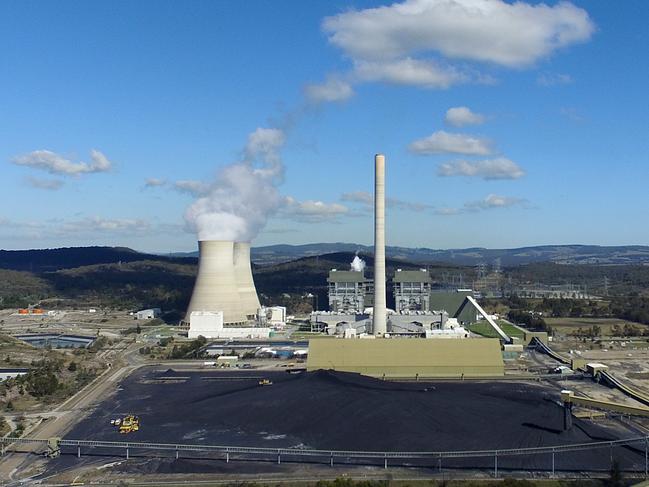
(143, 124)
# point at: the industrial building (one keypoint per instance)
(148, 314)
(349, 292)
(411, 290)
(456, 304)
(209, 324)
(407, 358)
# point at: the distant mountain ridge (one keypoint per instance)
(47, 260)
(559, 254)
(44, 260)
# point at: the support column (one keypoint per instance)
(553, 462)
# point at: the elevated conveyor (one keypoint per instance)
(489, 319)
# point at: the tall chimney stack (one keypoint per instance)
(379, 327)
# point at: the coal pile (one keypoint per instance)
(341, 411)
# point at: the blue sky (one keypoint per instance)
(117, 120)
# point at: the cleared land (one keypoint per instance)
(569, 325)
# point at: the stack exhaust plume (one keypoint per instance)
(216, 287)
(245, 284)
(379, 324)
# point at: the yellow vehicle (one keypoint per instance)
(265, 382)
(129, 424)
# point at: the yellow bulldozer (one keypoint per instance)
(129, 424)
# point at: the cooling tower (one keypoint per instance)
(216, 287)
(379, 325)
(245, 284)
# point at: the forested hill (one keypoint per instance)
(44, 260)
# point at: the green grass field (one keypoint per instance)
(483, 328)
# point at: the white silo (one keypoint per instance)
(245, 284)
(216, 287)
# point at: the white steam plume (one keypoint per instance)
(358, 264)
(244, 195)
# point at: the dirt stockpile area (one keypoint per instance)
(339, 411)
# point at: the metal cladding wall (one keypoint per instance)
(245, 284)
(408, 358)
(455, 304)
(216, 287)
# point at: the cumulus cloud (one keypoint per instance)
(154, 182)
(494, 31)
(461, 116)
(56, 164)
(553, 79)
(498, 168)
(332, 90)
(442, 142)
(413, 72)
(49, 184)
(435, 43)
(313, 211)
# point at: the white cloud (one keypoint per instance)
(412, 72)
(461, 116)
(109, 225)
(332, 90)
(313, 211)
(442, 142)
(553, 79)
(56, 164)
(362, 197)
(264, 144)
(490, 202)
(448, 211)
(367, 200)
(154, 182)
(494, 201)
(49, 184)
(398, 204)
(192, 187)
(508, 34)
(498, 168)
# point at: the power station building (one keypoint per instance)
(411, 290)
(349, 291)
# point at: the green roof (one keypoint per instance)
(346, 276)
(411, 276)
